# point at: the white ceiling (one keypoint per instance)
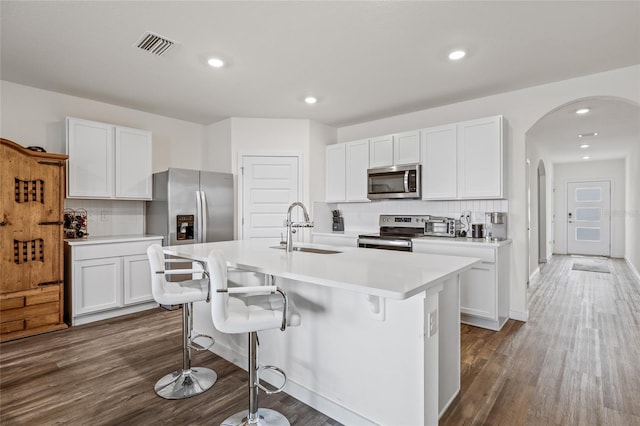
(363, 60)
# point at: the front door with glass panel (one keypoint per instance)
(589, 218)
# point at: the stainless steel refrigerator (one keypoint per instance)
(191, 206)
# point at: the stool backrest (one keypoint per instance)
(217, 266)
(156, 262)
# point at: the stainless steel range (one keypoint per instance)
(396, 232)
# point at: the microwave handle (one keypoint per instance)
(406, 181)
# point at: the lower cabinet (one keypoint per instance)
(484, 289)
(107, 279)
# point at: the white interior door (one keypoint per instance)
(269, 185)
(589, 218)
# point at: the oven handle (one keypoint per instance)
(390, 243)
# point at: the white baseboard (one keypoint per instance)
(313, 399)
(99, 316)
(633, 268)
(519, 316)
(534, 273)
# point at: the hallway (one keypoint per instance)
(575, 362)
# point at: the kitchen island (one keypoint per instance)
(374, 326)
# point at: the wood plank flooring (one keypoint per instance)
(575, 362)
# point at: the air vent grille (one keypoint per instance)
(154, 43)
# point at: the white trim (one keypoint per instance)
(534, 273)
(112, 313)
(519, 316)
(633, 268)
(260, 153)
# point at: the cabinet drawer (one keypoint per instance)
(486, 254)
(11, 326)
(13, 303)
(51, 295)
(31, 312)
(31, 297)
(43, 320)
(95, 251)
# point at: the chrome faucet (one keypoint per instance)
(290, 225)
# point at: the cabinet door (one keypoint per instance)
(480, 158)
(357, 163)
(97, 285)
(335, 173)
(406, 148)
(91, 158)
(137, 279)
(439, 176)
(381, 151)
(133, 163)
(478, 291)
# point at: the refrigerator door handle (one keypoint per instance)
(198, 230)
(203, 220)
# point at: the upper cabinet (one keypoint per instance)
(346, 171)
(108, 161)
(392, 150)
(464, 160)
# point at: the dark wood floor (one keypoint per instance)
(575, 362)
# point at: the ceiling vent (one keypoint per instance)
(154, 43)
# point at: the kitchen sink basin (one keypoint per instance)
(309, 250)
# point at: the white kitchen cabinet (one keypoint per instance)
(439, 164)
(107, 277)
(357, 163)
(346, 171)
(484, 289)
(335, 173)
(108, 161)
(406, 148)
(464, 160)
(394, 150)
(381, 151)
(480, 158)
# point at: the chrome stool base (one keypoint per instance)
(183, 384)
(266, 417)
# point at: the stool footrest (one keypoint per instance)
(277, 371)
(198, 347)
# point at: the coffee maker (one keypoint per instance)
(496, 226)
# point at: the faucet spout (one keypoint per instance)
(290, 225)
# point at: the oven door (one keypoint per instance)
(385, 244)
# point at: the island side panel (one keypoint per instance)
(449, 339)
(343, 361)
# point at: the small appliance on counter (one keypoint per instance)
(496, 226)
(338, 221)
(477, 230)
(441, 227)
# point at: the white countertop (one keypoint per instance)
(111, 239)
(389, 274)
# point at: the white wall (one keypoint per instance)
(33, 116)
(591, 170)
(522, 109)
(632, 212)
(216, 148)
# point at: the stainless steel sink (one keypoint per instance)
(309, 250)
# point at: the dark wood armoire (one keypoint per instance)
(31, 241)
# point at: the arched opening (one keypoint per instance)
(606, 150)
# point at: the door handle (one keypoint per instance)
(51, 223)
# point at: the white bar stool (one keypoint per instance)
(188, 381)
(259, 308)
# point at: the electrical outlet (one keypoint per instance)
(432, 323)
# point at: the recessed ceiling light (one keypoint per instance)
(216, 62)
(584, 145)
(582, 111)
(310, 100)
(457, 54)
(586, 157)
(586, 135)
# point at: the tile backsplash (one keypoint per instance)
(111, 217)
(363, 217)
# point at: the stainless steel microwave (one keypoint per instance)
(394, 182)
